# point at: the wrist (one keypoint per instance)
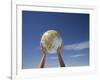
(59, 54)
(44, 55)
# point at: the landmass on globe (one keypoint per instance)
(51, 40)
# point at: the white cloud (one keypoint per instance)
(78, 55)
(77, 46)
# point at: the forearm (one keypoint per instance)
(61, 61)
(42, 63)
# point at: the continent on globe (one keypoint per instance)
(51, 40)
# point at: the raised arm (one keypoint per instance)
(60, 57)
(42, 63)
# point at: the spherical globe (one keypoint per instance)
(51, 40)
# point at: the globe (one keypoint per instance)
(51, 40)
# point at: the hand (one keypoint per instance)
(60, 49)
(43, 51)
(59, 56)
(42, 63)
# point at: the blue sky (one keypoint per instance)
(74, 30)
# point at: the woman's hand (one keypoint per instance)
(42, 63)
(60, 49)
(59, 56)
(43, 51)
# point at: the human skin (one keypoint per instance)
(42, 63)
(61, 62)
(59, 50)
